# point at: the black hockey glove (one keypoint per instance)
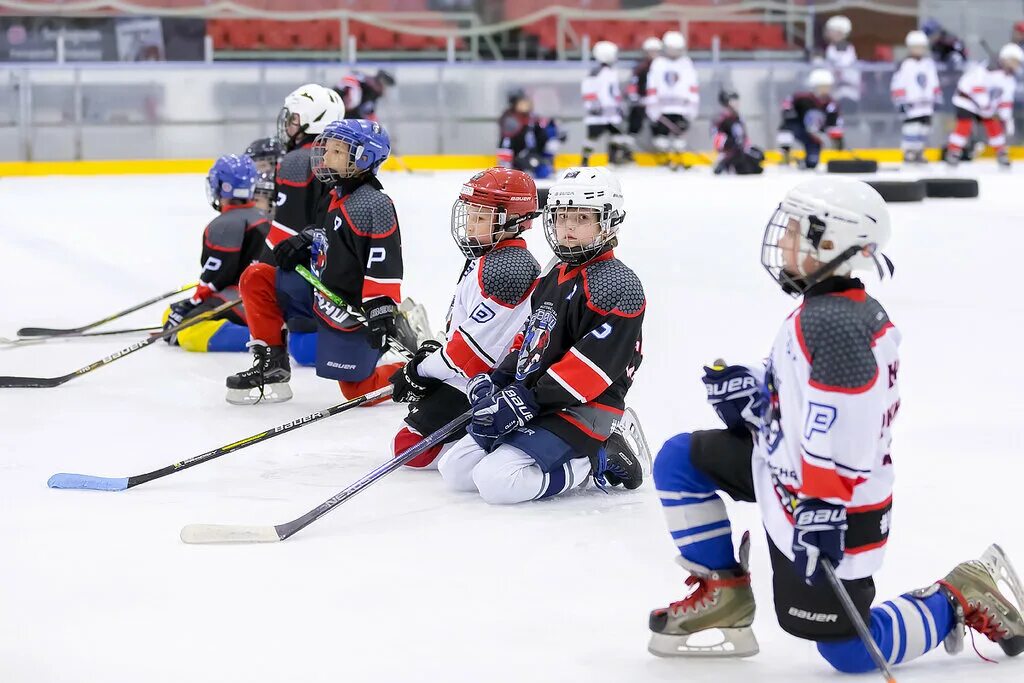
(410, 385)
(294, 251)
(734, 391)
(380, 319)
(819, 531)
(179, 311)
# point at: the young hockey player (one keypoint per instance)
(672, 98)
(807, 116)
(915, 92)
(808, 439)
(841, 60)
(985, 94)
(231, 242)
(550, 414)
(491, 303)
(356, 252)
(729, 137)
(602, 104)
(360, 92)
(946, 48)
(527, 142)
(636, 89)
(266, 153)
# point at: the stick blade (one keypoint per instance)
(30, 382)
(65, 480)
(227, 533)
(43, 331)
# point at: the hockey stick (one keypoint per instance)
(77, 335)
(858, 623)
(228, 533)
(65, 480)
(49, 382)
(50, 331)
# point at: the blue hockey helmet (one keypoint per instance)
(931, 26)
(368, 146)
(233, 176)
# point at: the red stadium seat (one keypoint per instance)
(246, 34)
(220, 31)
(279, 35)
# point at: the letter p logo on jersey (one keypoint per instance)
(820, 418)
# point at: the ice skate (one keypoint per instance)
(721, 601)
(1003, 158)
(266, 381)
(419, 325)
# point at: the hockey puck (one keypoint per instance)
(852, 166)
(962, 188)
(899, 190)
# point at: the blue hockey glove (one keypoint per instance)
(180, 310)
(819, 531)
(734, 391)
(480, 388)
(498, 415)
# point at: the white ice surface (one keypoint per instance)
(411, 582)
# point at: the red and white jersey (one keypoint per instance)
(490, 306)
(986, 92)
(602, 97)
(672, 88)
(833, 394)
(915, 87)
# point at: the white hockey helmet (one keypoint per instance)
(917, 39)
(652, 44)
(578, 196)
(674, 42)
(605, 51)
(311, 107)
(823, 227)
(1011, 52)
(820, 79)
(839, 25)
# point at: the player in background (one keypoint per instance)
(232, 241)
(361, 92)
(602, 105)
(636, 89)
(808, 439)
(526, 141)
(807, 117)
(491, 304)
(729, 138)
(266, 153)
(841, 59)
(946, 48)
(545, 419)
(356, 251)
(672, 98)
(985, 94)
(915, 92)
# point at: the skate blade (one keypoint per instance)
(732, 643)
(272, 393)
(629, 427)
(1002, 570)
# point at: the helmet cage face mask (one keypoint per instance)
(331, 174)
(489, 222)
(576, 254)
(284, 118)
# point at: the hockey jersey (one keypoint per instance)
(602, 97)
(300, 196)
(231, 242)
(986, 92)
(636, 89)
(831, 381)
(814, 114)
(579, 349)
(672, 88)
(915, 87)
(842, 60)
(490, 306)
(360, 93)
(728, 134)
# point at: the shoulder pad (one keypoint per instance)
(612, 287)
(227, 231)
(837, 335)
(508, 275)
(295, 168)
(371, 211)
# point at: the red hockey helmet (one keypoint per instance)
(493, 205)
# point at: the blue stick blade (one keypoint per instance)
(86, 481)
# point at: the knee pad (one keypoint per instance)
(915, 134)
(674, 470)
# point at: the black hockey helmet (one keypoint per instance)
(725, 97)
(385, 77)
(265, 147)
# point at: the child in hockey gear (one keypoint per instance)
(729, 136)
(807, 116)
(267, 154)
(841, 59)
(636, 90)
(602, 104)
(526, 142)
(231, 242)
(803, 442)
(543, 417)
(491, 304)
(672, 98)
(946, 48)
(915, 92)
(361, 92)
(985, 94)
(356, 252)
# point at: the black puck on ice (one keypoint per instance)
(962, 188)
(852, 166)
(899, 190)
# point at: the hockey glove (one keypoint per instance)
(179, 311)
(294, 251)
(479, 389)
(734, 391)
(819, 530)
(410, 385)
(494, 417)
(380, 321)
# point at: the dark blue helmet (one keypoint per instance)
(931, 27)
(232, 176)
(368, 147)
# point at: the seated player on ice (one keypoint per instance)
(729, 136)
(803, 441)
(915, 92)
(491, 304)
(266, 153)
(231, 242)
(550, 414)
(356, 252)
(527, 142)
(807, 116)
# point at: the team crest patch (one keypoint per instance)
(535, 341)
(319, 252)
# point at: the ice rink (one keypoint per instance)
(410, 582)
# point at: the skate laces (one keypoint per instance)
(698, 597)
(981, 620)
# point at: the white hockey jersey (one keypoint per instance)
(915, 87)
(602, 97)
(842, 60)
(986, 92)
(831, 379)
(490, 306)
(672, 88)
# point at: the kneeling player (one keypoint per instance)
(542, 419)
(490, 305)
(729, 135)
(806, 116)
(818, 465)
(231, 242)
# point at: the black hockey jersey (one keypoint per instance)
(579, 349)
(357, 250)
(301, 198)
(231, 242)
(729, 135)
(636, 89)
(812, 113)
(522, 132)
